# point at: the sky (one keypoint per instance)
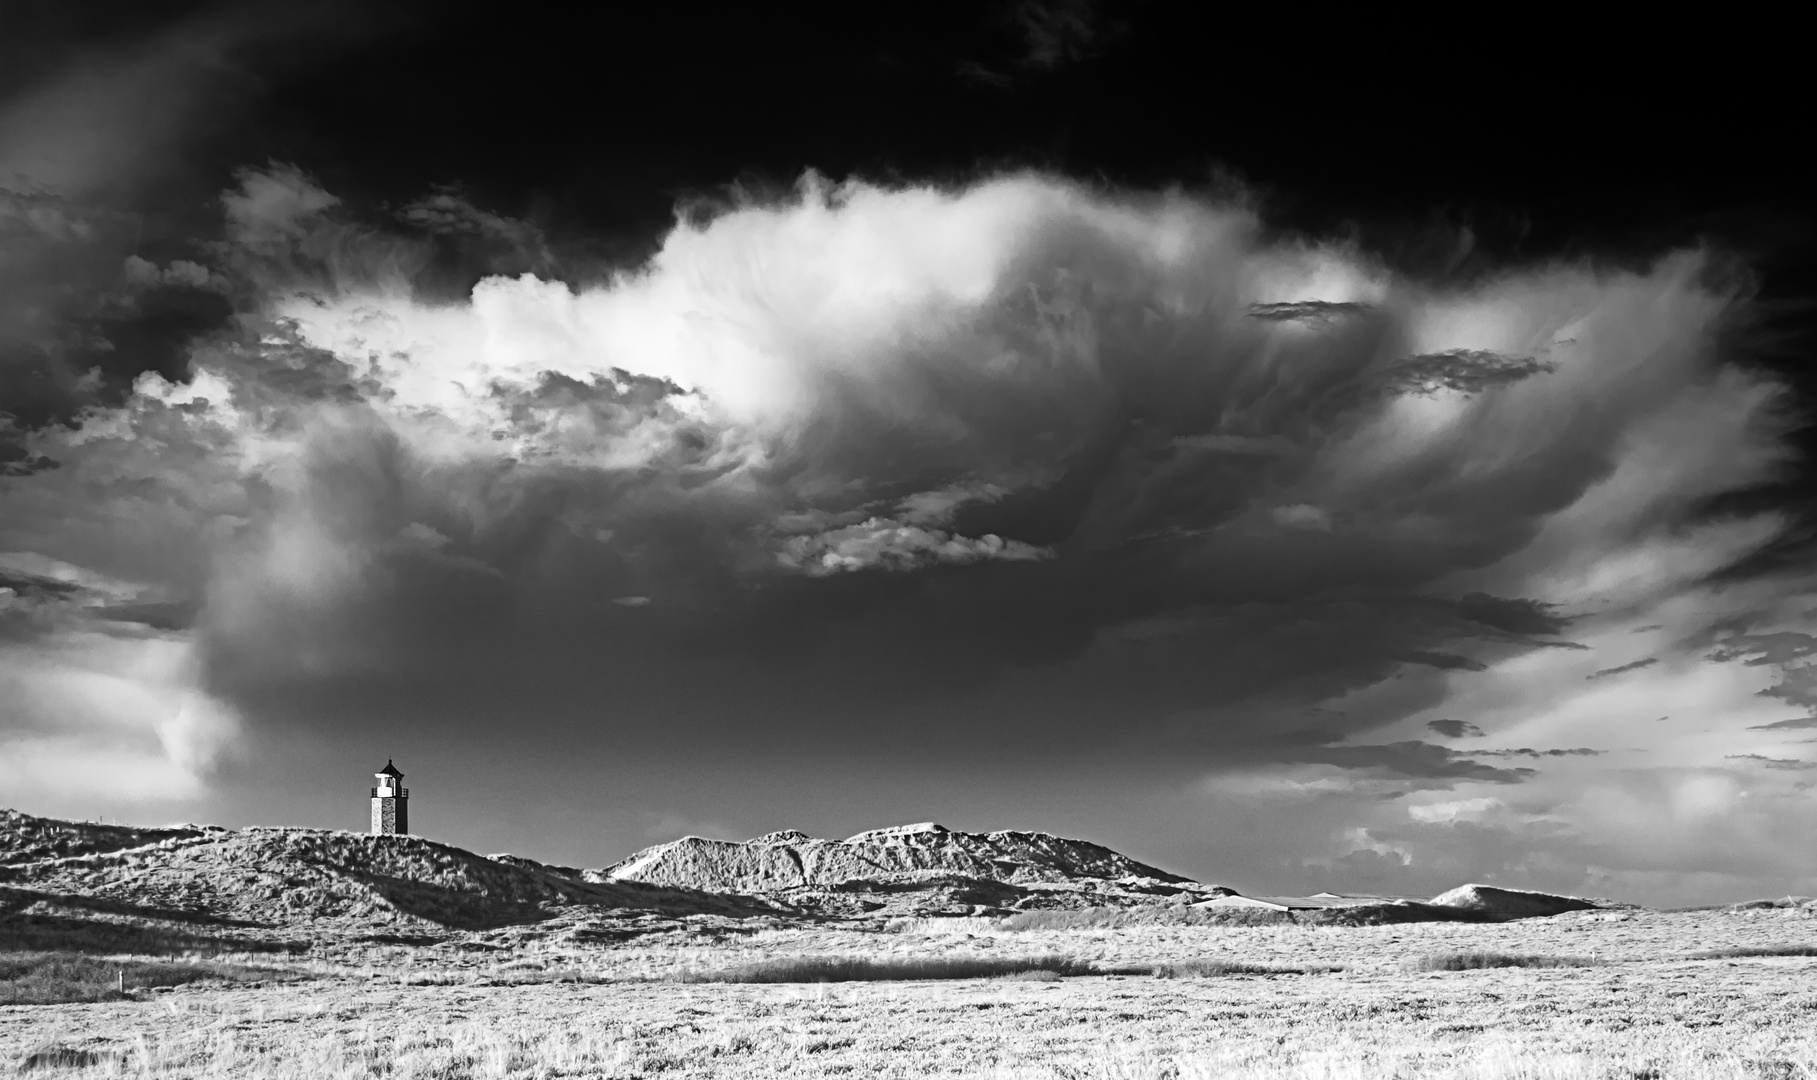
(1296, 464)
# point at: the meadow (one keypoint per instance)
(1632, 995)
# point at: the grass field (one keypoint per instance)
(1412, 1001)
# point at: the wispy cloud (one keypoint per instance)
(1632, 665)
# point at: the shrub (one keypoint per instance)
(51, 978)
(803, 969)
(1473, 961)
(1106, 918)
(1745, 951)
(62, 1057)
(819, 969)
(1200, 969)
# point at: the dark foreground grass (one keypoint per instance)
(1203, 969)
(39, 978)
(1476, 961)
(817, 969)
(1744, 952)
(1109, 918)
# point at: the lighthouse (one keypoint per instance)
(390, 803)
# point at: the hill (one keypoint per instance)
(266, 888)
(1512, 903)
(24, 838)
(909, 869)
(76, 885)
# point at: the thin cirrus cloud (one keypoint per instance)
(1038, 470)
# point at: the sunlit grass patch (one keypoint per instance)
(818, 969)
(52, 978)
(1475, 961)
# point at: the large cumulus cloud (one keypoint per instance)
(1020, 466)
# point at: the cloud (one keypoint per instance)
(1056, 32)
(1466, 370)
(892, 545)
(1632, 665)
(1296, 310)
(880, 470)
(274, 209)
(867, 378)
(101, 268)
(1415, 760)
(96, 701)
(1774, 763)
(1454, 810)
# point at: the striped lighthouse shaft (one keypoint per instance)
(390, 807)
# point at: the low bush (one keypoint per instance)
(1746, 951)
(815, 969)
(52, 978)
(1109, 918)
(1474, 961)
(63, 1057)
(820, 969)
(1201, 969)
(1106, 918)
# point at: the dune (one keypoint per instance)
(1509, 903)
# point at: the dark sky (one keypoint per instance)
(1300, 453)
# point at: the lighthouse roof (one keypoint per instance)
(389, 770)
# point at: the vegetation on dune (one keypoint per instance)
(817, 969)
(1782, 903)
(824, 969)
(53, 978)
(1473, 961)
(1038, 975)
(1744, 952)
(25, 838)
(1201, 969)
(1112, 918)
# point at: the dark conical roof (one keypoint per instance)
(390, 770)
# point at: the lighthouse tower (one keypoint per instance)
(390, 803)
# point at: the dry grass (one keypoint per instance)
(1202, 969)
(439, 1012)
(1108, 918)
(1747, 951)
(829, 969)
(56, 978)
(1476, 961)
